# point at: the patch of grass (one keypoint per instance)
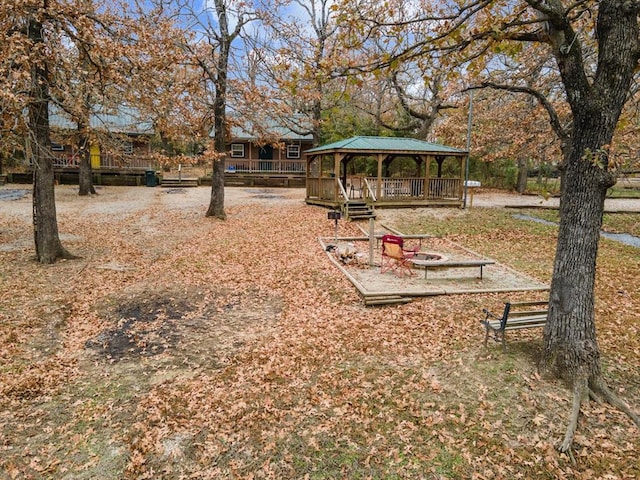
(550, 215)
(551, 186)
(447, 463)
(620, 192)
(622, 223)
(545, 186)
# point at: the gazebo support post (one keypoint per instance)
(337, 157)
(420, 160)
(427, 183)
(343, 172)
(463, 176)
(379, 179)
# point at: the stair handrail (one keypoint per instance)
(343, 192)
(370, 190)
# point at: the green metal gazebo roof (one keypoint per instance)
(393, 145)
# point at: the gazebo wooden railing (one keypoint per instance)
(401, 189)
(322, 188)
(391, 189)
(445, 188)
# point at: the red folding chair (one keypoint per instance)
(395, 258)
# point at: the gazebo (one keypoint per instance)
(433, 176)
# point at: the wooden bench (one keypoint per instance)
(516, 316)
(427, 264)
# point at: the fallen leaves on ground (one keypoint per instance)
(236, 349)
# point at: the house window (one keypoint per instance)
(237, 150)
(127, 147)
(293, 151)
(56, 147)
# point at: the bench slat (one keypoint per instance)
(522, 326)
(452, 264)
(524, 322)
(527, 313)
(530, 303)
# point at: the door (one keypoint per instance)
(94, 151)
(265, 157)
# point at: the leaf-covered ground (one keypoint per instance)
(181, 346)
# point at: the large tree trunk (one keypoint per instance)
(570, 344)
(47, 240)
(523, 176)
(570, 338)
(216, 204)
(85, 174)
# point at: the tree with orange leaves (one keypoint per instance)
(71, 54)
(592, 49)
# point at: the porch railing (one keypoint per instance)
(286, 167)
(67, 161)
(127, 162)
(107, 162)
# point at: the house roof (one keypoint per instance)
(394, 145)
(123, 120)
(274, 131)
(271, 128)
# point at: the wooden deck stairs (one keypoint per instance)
(357, 210)
(179, 182)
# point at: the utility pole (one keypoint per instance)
(469, 123)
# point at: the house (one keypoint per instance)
(271, 154)
(121, 141)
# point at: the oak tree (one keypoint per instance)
(595, 47)
(301, 59)
(27, 48)
(216, 27)
(67, 54)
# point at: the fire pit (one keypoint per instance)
(430, 257)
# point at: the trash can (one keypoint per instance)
(150, 178)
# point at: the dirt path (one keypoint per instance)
(132, 199)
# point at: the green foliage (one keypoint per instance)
(450, 168)
(598, 158)
(340, 123)
(543, 185)
(498, 174)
